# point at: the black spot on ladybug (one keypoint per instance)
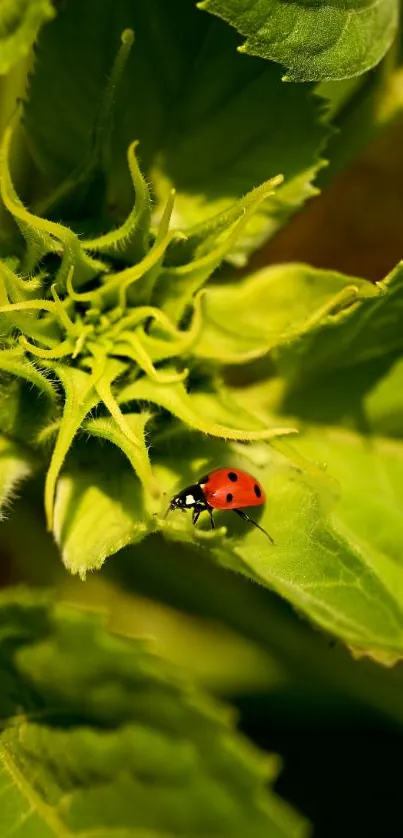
(204, 480)
(229, 497)
(232, 476)
(257, 490)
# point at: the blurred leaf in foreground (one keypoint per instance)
(100, 736)
(20, 22)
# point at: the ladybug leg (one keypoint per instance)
(246, 517)
(197, 512)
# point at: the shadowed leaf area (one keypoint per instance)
(203, 114)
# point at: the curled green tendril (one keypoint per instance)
(61, 351)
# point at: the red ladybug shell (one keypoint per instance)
(231, 488)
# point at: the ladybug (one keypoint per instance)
(223, 488)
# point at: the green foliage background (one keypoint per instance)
(159, 317)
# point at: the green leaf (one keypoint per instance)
(220, 406)
(14, 362)
(382, 405)
(15, 465)
(177, 401)
(20, 22)
(106, 428)
(366, 523)
(215, 657)
(338, 538)
(314, 43)
(369, 329)
(367, 399)
(314, 666)
(99, 507)
(83, 391)
(42, 236)
(99, 504)
(100, 736)
(203, 116)
(213, 242)
(80, 398)
(245, 319)
(23, 413)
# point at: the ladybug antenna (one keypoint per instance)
(246, 517)
(171, 506)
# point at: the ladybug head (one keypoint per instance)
(177, 502)
(188, 498)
